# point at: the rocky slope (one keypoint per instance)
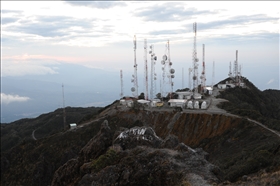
(141, 147)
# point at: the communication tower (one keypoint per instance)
(213, 75)
(121, 76)
(230, 72)
(235, 71)
(146, 69)
(171, 70)
(202, 77)
(195, 63)
(182, 78)
(64, 113)
(153, 74)
(190, 79)
(134, 80)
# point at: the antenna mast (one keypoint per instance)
(195, 64)
(182, 78)
(202, 77)
(121, 76)
(171, 70)
(64, 113)
(230, 73)
(236, 68)
(146, 69)
(190, 82)
(153, 74)
(213, 74)
(134, 89)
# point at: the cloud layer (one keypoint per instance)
(8, 98)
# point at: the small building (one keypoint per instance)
(144, 102)
(73, 126)
(177, 103)
(154, 103)
(208, 90)
(184, 95)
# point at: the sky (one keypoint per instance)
(39, 38)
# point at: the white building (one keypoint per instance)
(177, 102)
(73, 126)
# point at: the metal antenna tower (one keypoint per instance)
(64, 113)
(146, 69)
(134, 89)
(213, 75)
(190, 79)
(195, 64)
(236, 67)
(230, 73)
(153, 74)
(182, 78)
(121, 76)
(171, 70)
(202, 77)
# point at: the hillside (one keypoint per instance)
(263, 106)
(140, 146)
(45, 125)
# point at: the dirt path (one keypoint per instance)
(33, 134)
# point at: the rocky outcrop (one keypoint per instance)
(136, 156)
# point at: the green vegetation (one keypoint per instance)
(109, 158)
(263, 106)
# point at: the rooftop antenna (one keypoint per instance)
(134, 89)
(146, 69)
(63, 104)
(213, 74)
(202, 77)
(195, 63)
(121, 76)
(153, 74)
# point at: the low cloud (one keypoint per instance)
(270, 81)
(8, 98)
(28, 65)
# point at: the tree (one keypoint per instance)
(141, 96)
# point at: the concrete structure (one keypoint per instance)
(225, 86)
(73, 126)
(177, 103)
(144, 102)
(184, 95)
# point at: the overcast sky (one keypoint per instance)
(37, 36)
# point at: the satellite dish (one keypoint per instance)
(196, 60)
(150, 52)
(172, 76)
(132, 89)
(172, 71)
(162, 62)
(194, 77)
(162, 68)
(170, 63)
(164, 57)
(155, 58)
(132, 80)
(132, 75)
(155, 78)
